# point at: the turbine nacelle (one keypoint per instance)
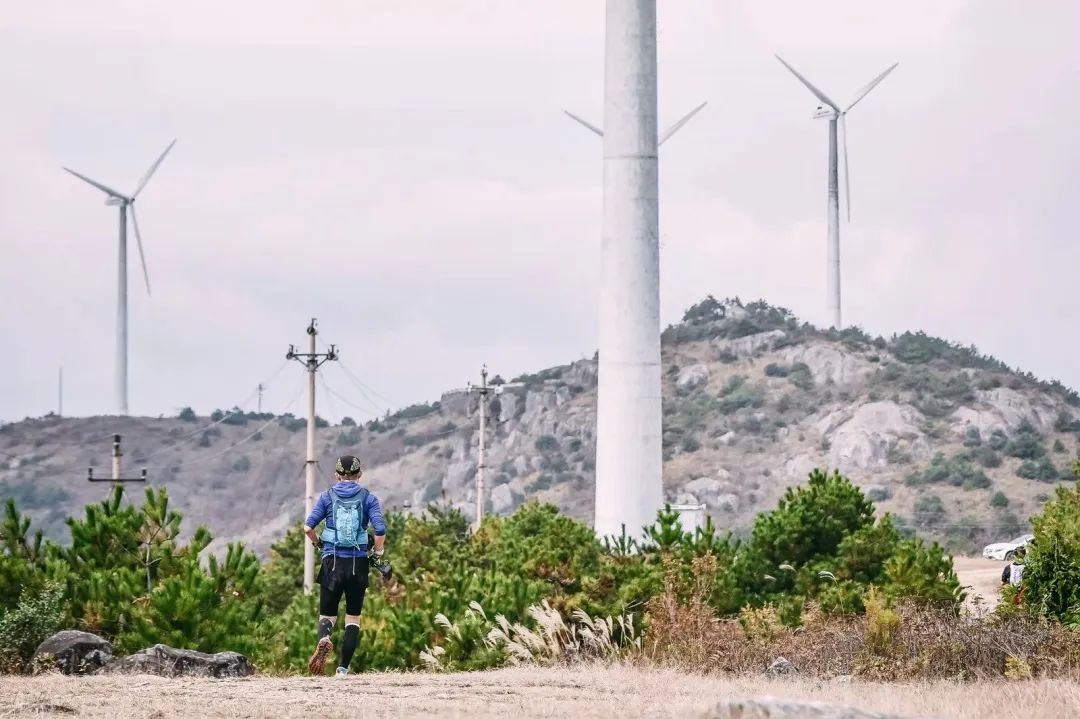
(824, 112)
(114, 201)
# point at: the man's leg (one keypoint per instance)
(354, 604)
(329, 599)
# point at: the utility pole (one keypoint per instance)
(312, 360)
(260, 389)
(116, 478)
(483, 390)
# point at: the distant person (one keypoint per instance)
(1014, 573)
(347, 508)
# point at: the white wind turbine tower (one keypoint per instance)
(124, 202)
(834, 114)
(629, 488)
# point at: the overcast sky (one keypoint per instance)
(403, 171)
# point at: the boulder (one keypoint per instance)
(727, 439)
(581, 373)
(877, 492)
(692, 377)
(827, 363)
(773, 708)
(746, 346)
(562, 395)
(781, 667)
(73, 652)
(165, 661)
(860, 439)
(727, 502)
(455, 402)
(502, 499)
(521, 464)
(722, 474)
(508, 406)
(459, 474)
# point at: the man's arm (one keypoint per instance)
(318, 514)
(376, 517)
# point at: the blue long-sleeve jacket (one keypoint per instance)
(322, 511)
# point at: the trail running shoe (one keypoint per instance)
(317, 662)
(342, 673)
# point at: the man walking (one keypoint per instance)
(346, 508)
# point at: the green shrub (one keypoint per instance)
(347, 421)
(1026, 443)
(37, 616)
(1059, 446)
(956, 471)
(929, 510)
(546, 444)
(1052, 571)
(1041, 469)
(800, 376)
(775, 370)
(187, 414)
(999, 500)
(242, 464)
(690, 444)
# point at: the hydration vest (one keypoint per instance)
(350, 522)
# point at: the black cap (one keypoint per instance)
(347, 465)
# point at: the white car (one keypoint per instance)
(1006, 550)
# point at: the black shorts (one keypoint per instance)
(342, 575)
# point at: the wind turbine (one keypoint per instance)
(836, 116)
(124, 202)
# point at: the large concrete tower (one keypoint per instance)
(628, 450)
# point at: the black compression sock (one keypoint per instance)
(349, 644)
(326, 628)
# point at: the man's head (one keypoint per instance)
(1021, 552)
(348, 468)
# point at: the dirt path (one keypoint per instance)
(521, 693)
(983, 579)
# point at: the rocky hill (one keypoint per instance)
(957, 445)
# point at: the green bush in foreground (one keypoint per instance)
(128, 576)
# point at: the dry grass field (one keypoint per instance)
(588, 691)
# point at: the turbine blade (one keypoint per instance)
(847, 180)
(817, 93)
(151, 171)
(675, 128)
(103, 188)
(138, 241)
(873, 83)
(587, 125)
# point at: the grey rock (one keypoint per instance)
(508, 406)
(459, 473)
(686, 498)
(828, 363)
(455, 402)
(74, 652)
(692, 377)
(745, 346)
(502, 499)
(165, 661)
(727, 439)
(860, 439)
(781, 667)
(521, 464)
(723, 475)
(562, 396)
(774, 708)
(581, 373)
(877, 492)
(727, 502)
